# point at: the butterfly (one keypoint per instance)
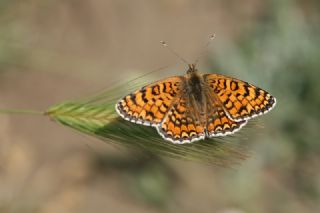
(196, 106)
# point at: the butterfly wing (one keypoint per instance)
(150, 104)
(218, 123)
(181, 125)
(240, 99)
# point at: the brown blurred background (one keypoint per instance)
(52, 51)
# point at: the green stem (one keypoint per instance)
(22, 111)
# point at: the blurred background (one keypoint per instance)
(52, 51)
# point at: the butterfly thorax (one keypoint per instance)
(194, 84)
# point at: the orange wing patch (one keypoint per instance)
(240, 99)
(180, 125)
(218, 123)
(150, 104)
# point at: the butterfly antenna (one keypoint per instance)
(173, 52)
(204, 50)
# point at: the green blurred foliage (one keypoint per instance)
(282, 54)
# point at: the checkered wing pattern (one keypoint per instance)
(150, 104)
(182, 125)
(240, 99)
(218, 123)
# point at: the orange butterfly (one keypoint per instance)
(196, 106)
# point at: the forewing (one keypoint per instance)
(240, 99)
(150, 104)
(218, 123)
(181, 125)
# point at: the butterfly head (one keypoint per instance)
(192, 69)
